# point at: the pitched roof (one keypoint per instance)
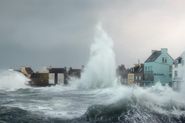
(178, 60)
(154, 56)
(57, 70)
(137, 69)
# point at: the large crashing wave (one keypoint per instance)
(100, 70)
(158, 104)
(12, 80)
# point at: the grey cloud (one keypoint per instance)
(59, 32)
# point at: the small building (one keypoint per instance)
(136, 75)
(130, 78)
(178, 71)
(36, 79)
(74, 72)
(57, 75)
(39, 79)
(50, 76)
(158, 68)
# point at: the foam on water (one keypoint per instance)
(12, 80)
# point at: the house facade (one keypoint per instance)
(158, 68)
(76, 73)
(57, 75)
(36, 79)
(130, 78)
(178, 70)
(136, 75)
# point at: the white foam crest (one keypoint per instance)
(157, 98)
(11, 80)
(100, 70)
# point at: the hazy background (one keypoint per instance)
(59, 32)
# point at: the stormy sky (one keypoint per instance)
(59, 33)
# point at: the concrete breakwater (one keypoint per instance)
(51, 76)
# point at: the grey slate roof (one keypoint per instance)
(178, 60)
(137, 69)
(154, 56)
(57, 70)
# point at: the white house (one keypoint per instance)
(178, 71)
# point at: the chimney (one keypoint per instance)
(164, 50)
(153, 51)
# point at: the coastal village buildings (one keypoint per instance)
(50, 76)
(158, 68)
(136, 75)
(178, 71)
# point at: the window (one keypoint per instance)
(149, 68)
(164, 60)
(136, 77)
(176, 73)
(182, 62)
(179, 60)
(139, 77)
(170, 75)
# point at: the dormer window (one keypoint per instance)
(175, 73)
(164, 60)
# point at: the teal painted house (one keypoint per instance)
(158, 68)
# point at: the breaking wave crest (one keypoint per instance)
(157, 104)
(100, 71)
(12, 80)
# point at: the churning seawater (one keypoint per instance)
(122, 104)
(95, 98)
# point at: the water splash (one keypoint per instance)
(12, 80)
(100, 70)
